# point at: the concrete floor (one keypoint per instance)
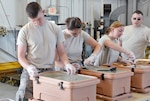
(7, 91)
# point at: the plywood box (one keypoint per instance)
(113, 83)
(59, 86)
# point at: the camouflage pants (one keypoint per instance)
(25, 90)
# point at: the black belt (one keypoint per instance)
(44, 69)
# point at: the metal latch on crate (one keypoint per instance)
(113, 69)
(132, 69)
(61, 86)
(37, 80)
(102, 76)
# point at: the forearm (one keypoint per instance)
(61, 53)
(23, 61)
(64, 58)
(120, 49)
(97, 49)
(115, 47)
(22, 50)
(94, 44)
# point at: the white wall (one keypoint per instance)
(65, 8)
(15, 9)
(144, 6)
(9, 13)
(8, 44)
(10, 16)
(14, 13)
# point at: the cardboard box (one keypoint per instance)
(59, 86)
(113, 82)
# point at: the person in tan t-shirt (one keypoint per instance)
(136, 37)
(110, 46)
(75, 37)
(37, 42)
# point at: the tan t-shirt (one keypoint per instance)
(106, 55)
(40, 42)
(74, 45)
(136, 39)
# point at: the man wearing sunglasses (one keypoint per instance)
(136, 37)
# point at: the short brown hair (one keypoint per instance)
(73, 23)
(138, 12)
(115, 24)
(33, 9)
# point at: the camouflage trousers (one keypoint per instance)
(25, 90)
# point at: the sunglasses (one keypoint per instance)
(137, 19)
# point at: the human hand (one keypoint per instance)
(126, 61)
(32, 71)
(70, 69)
(90, 60)
(131, 56)
(76, 65)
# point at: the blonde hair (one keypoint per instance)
(115, 24)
